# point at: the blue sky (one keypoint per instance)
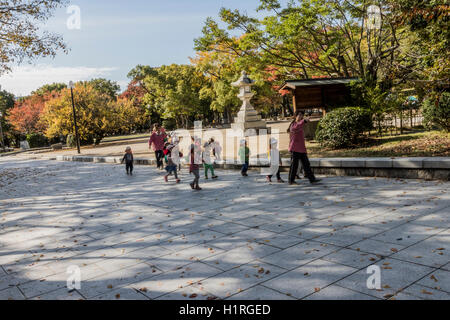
(116, 35)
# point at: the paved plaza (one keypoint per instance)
(240, 238)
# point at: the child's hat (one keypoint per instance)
(243, 141)
(273, 141)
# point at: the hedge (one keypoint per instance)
(343, 127)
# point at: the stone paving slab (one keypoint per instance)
(300, 254)
(12, 293)
(140, 238)
(60, 294)
(437, 280)
(194, 292)
(260, 292)
(420, 292)
(114, 280)
(173, 280)
(430, 252)
(395, 276)
(241, 278)
(313, 277)
(335, 292)
(125, 293)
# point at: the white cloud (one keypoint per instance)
(25, 79)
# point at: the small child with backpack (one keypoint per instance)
(195, 161)
(171, 167)
(129, 160)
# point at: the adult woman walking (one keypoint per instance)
(297, 149)
(156, 143)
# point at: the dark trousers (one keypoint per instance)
(172, 170)
(244, 167)
(159, 154)
(196, 173)
(295, 158)
(129, 167)
(278, 175)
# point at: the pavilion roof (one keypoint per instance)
(293, 84)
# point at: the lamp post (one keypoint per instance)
(71, 86)
(1, 132)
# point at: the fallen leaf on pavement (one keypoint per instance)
(426, 292)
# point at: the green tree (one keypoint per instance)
(49, 88)
(429, 47)
(6, 104)
(310, 38)
(436, 111)
(220, 70)
(104, 86)
(173, 92)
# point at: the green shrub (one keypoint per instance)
(169, 124)
(436, 112)
(343, 127)
(55, 140)
(37, 140)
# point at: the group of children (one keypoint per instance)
(201, 154)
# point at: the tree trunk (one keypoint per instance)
(401, 122)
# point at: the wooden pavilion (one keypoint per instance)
(319, 95)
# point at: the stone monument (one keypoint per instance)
(248, 120)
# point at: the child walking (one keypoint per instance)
(216, 148)
(195, 160)
(171, 167)
(207, 161)
(244, 156)
(128, 159)
(175, 153)
(275, 161)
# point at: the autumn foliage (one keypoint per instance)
(25, 117)
(98, 115)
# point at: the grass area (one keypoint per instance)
(414, 144)
(126, 137)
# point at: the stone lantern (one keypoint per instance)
(247, 120)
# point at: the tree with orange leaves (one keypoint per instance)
(25, 117)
